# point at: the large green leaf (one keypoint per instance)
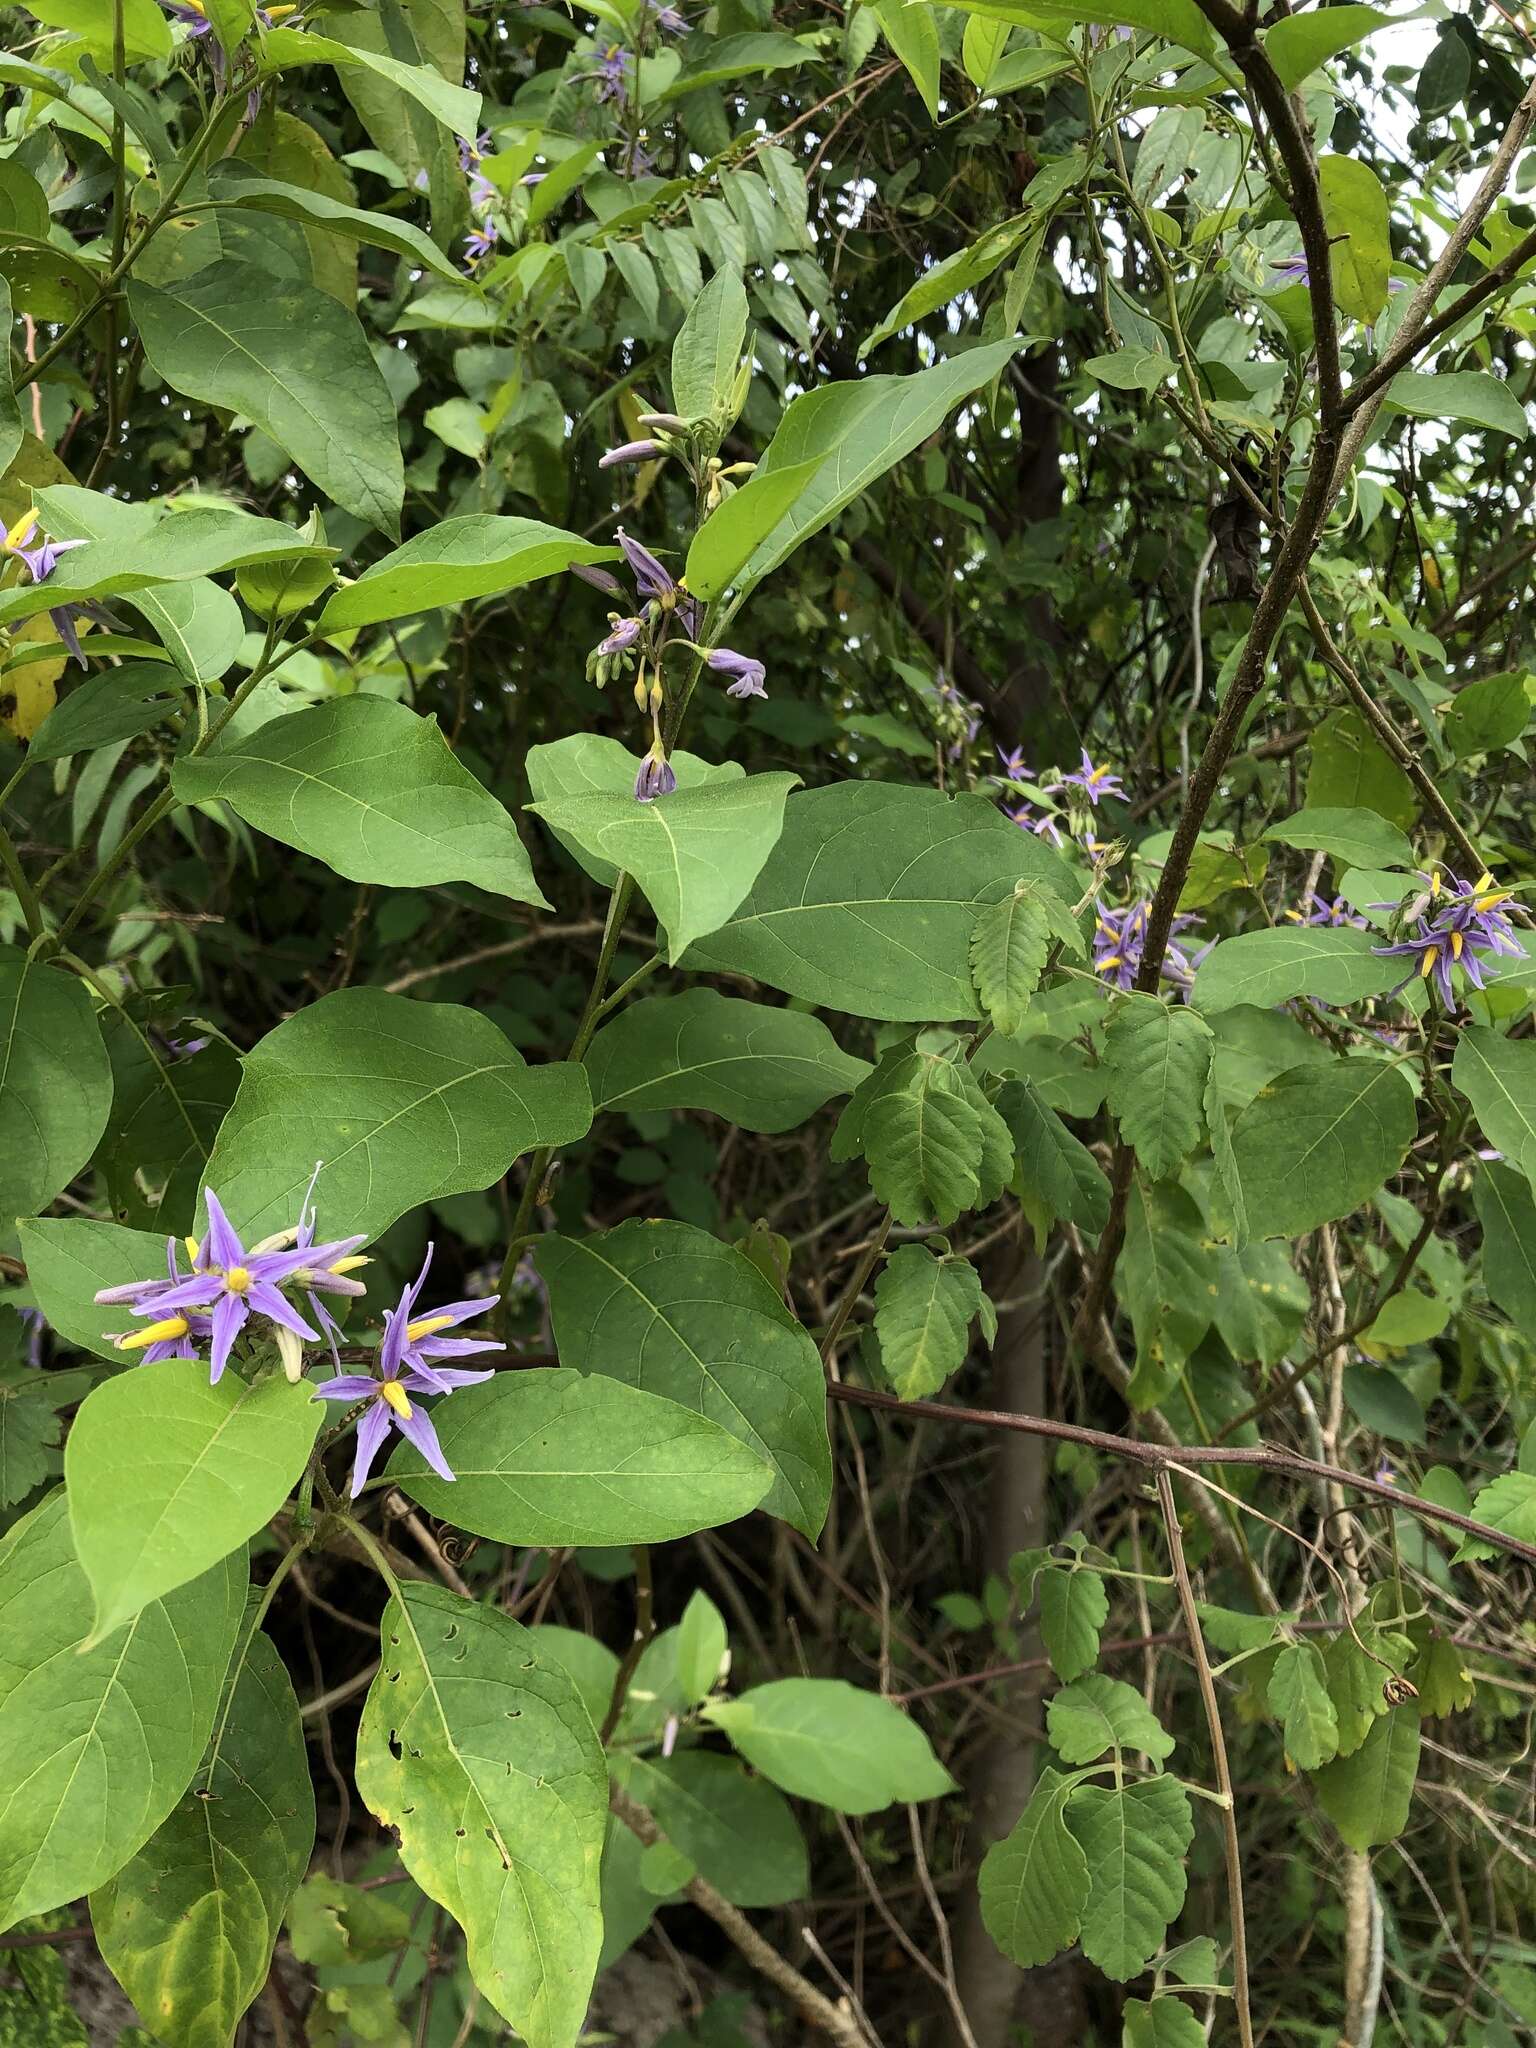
(763, 1069)
(1367, 1794)
(167, 1474)
(737, 1830)
(188, 1926)
(1298, 43)
(69, 1258)
(1355, 214)
(822, 1739)
(96, 1746)
(403, 1101)
(1352, 838)
(924, 1307)
(1263, 968)
(454, 106)
(166, 1113)
(1498, 1077)
(590, 763)
(868, 902)
(707, 352)
(910, 29)
(853, 432)
(1034, 1882)
(55, 1082)
(1052, 1166)
(315, 209)
(554, 1458)
(1319, 1140)
(1474, 397)
(1158, 1055)
(373, 791)
(291, 359)
(1507, 1215)
(479, 554)
(1135, 1838)
(674, 1311)
(934, 1143)
(476, 1748)
(694, 854)
(1097, 1713)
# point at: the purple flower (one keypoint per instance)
(1119, 940)
(667, 18)
(1014, 769)
(656, 777)
(1333, 912)
(40, 562)
(408, 1365)
(651, 579)
(1468, 924)
(598, 578)
(1093, 782)
(1043, 825)
(631, 451)
(613, 69)
(636, 160)
(1292, 270)
(748, 673)
(479, 242)
(624, 635)
(231, 1285)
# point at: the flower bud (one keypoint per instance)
(290, 1349)
(631, 451)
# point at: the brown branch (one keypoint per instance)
(587, 927)
(1191, 1457)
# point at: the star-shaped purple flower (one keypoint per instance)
(1093, 782)
(1119, 940)
(41, 561)
(748, 672)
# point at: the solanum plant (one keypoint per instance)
(737, 1089)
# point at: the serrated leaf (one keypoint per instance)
(1073, 1610)
(1159, 1057)
(924, 1307)
(1367, 1795)
(1009, 946)
(1052, 1165)
(478, 1750)
(1168, 1279)
(188, 1926)
(1033, 1884)
(926, 1137)
(1298, 1693)
(822, 1739)
(1509, 1505)
(1160, 2023)
(1097, 1713)
(1135, 1838)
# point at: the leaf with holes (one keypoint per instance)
(476, 1748)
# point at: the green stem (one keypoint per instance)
(257, 1616)
(375, 1553)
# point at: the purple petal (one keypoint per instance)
(394, 1339)
(265, 1300)
(372, 1428)
(228, 1321)
(221, 1247)
(417, 1429)
(347, 1386)
(194, 1293)
(448, 1378)
(450, 1347)
(458, 1311)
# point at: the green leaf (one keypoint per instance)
(117, 704)
(671, 1309)
(1034, 1882)
(293, 361)
(1475, 397)
(981, 47)
(703, 1647)
(478, 1751)
(1350, 771)
(1168, 2022)
(739, 1833)
(822, 1739)
(855, 431)
(1485, 716)
(1498, 1077)
(453, 105)
(1319, 1141)
(1367, 1795)
(146, 31)
(188, 1926)
(166, 1113)
(167, 1474)
(586, 763)
(1096, 1714)
(1159, 1056)
(694, 854)
(869, 899)
(1353, 838)
(1263, 968)
(707, 352)
(1010, 943)
(1051, 1165)
(372, 790)
(762, 1069)
(553, 1458)
(55, 1082)
(924, 1308)
(1299, 44)
(934, 1143)
(1168, 1279)
(29, 1430)
(726, 539)
(724, 58)
(12, 430)
(1132, 369)
(69, 1258)
(476, 555)
(961, 272)
(405, 1102)
(315, 209)
(1509, 1505)
(1506, 1215)
(1356, 216)
(909, 28)
(1298, 1693)
(1073, 1610)
(1135, 1838)
(96, 1746)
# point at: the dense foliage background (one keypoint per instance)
(1139, 393)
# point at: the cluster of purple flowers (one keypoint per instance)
(193, 17)
(230, 1288)
(1465, 922)
(1330, 911)
(1119, 940)
(484, 234)
(668, 615)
